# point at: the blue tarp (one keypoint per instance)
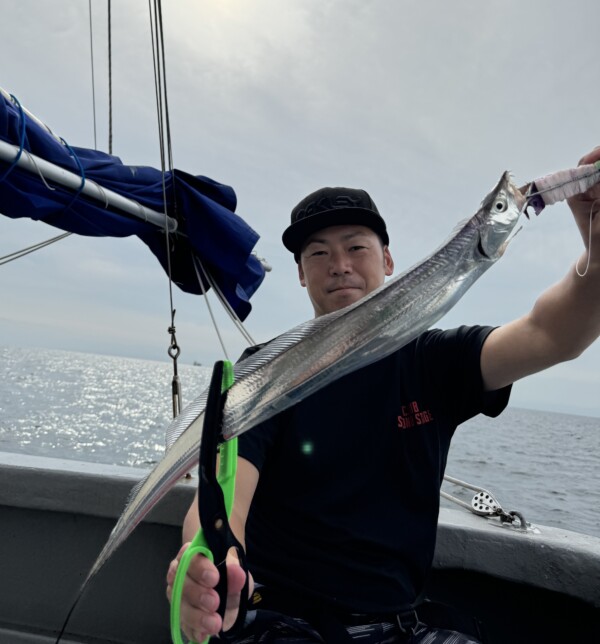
(204, 209)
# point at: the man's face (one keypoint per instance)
(339, 265)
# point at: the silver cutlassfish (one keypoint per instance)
(313, 354)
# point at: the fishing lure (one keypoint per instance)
(561, 185)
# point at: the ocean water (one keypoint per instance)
(115, 410)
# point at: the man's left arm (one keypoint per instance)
(565, 319)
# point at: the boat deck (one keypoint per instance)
(56, 515)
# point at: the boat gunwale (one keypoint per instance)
(550, 558)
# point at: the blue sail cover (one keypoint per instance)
(204, 209)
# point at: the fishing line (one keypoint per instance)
(589, 247)
(560, 188)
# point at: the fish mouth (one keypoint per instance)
(481, 249)
(520, 195)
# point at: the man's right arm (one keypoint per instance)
(199, 600)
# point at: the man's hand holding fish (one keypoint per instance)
(583, 205)
(565, 319)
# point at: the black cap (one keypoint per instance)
(332, 207)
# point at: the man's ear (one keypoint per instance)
(388, 261)
(301, 274)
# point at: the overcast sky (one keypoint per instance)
(423, 104)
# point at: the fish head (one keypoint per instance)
(498, 216)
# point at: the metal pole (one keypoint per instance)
(91, 189)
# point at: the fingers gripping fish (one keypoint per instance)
(313, 354)
(561, 185)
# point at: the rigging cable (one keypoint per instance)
(156, 27)
(208, 306)
(92, 66)
(110, 127)
(232, 314)
(164, 136)
(30, 249)
(484, 504)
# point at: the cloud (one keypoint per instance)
(422, 104)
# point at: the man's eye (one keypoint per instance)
(357, 247)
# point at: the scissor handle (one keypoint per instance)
(215, 501)
(195, 548)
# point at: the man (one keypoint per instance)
(337, 498)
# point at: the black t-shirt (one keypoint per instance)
(346, 507)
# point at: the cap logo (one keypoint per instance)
(329, 203)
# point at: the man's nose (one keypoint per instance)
(339, 263)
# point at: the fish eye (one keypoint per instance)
(500, 205)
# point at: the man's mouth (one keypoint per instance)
(344, 287)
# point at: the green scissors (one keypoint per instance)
(215, 500)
